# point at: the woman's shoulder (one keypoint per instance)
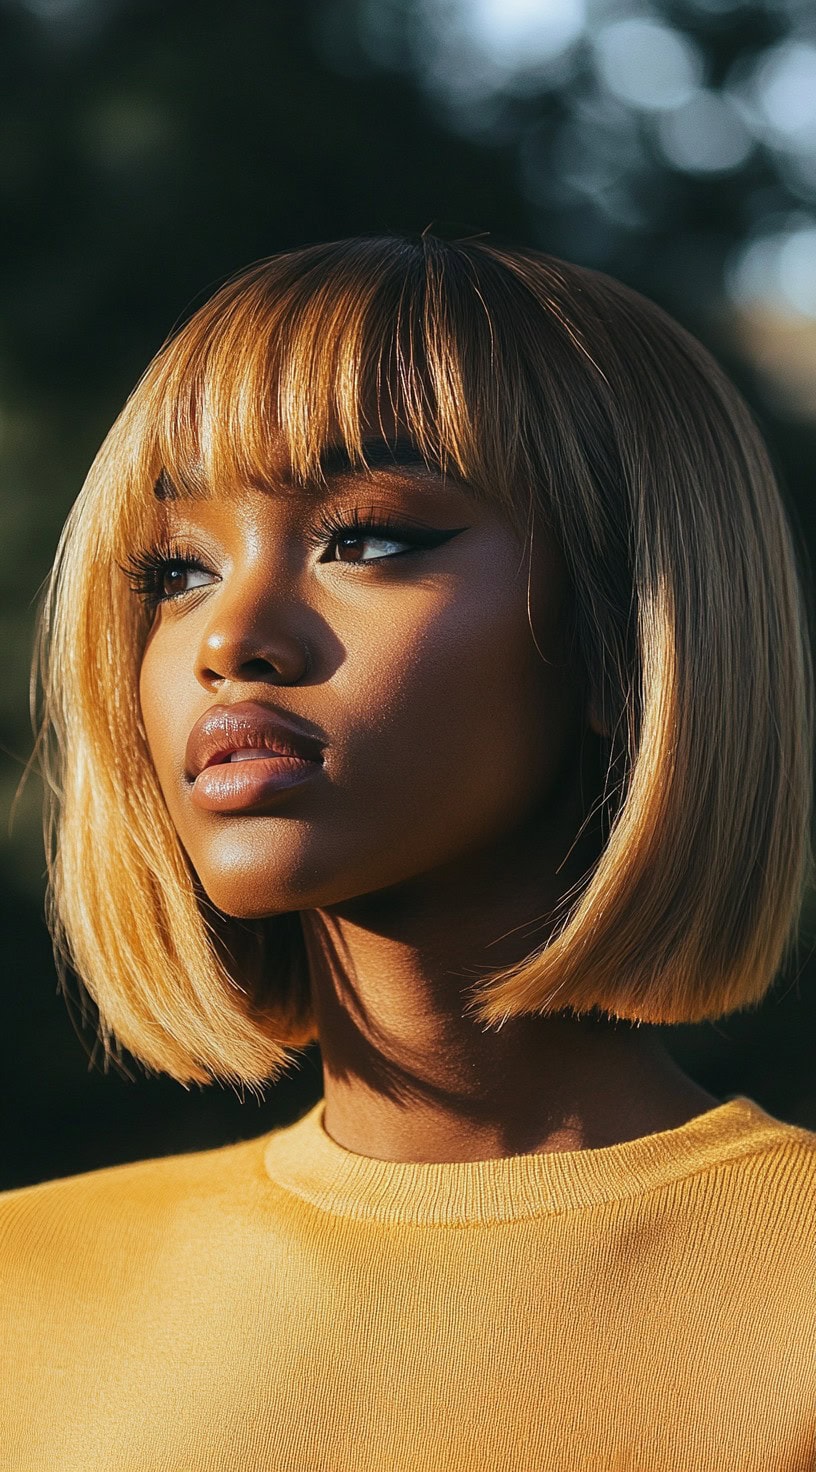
(760, 1152)
(784, 1153)
(111, 1205)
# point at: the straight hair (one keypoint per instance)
(568, 401)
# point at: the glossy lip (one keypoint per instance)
(222, 785)
(227, 728)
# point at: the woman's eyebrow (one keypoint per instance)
(379, 454)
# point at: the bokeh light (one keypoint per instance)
(781, 96)
(518, 32)
(647, 64)
(778, 269)
(704, 135)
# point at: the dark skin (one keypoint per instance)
(461, 760)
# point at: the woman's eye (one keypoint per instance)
(349, 539)
(157, 576)
(179, 576)
(356, 541)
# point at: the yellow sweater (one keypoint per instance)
(285, 1305)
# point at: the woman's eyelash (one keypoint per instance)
(357, 523)
(147, 569)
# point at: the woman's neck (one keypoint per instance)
(550, 1086)
(409, 1075)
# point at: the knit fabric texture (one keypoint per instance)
(285, 1304)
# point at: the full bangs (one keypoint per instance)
(305, 354)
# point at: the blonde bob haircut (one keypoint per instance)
(564, 398)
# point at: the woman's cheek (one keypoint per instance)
(171, 700)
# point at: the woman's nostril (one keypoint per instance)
(257, 660)
(258, 669)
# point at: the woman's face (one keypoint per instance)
(442, 729)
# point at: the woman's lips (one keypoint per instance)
(245, 779)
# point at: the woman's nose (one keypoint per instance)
(250, 640)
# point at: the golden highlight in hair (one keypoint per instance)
(560, 395)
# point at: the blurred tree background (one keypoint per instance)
(151, 149)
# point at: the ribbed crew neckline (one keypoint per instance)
(302, 1158)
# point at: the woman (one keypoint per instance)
(426, 674)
